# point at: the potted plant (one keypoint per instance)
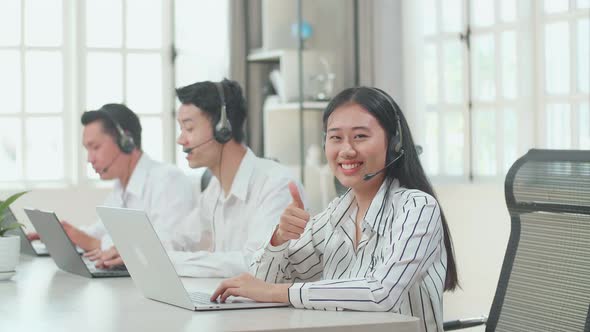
(9, 244)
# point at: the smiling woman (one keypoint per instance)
(354, 145)
(382, 246)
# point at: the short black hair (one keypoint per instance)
(205, 96)
(124, 117)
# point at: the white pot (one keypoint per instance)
(9, 253)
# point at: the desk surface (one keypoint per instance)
(40, 297)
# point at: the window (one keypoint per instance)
(564, 41)
(128, 60)
(59, 58)
(481, 103)
(34, 109)
(445, 70)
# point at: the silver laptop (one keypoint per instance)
(151, 268)
(27, 247)
(63, 251)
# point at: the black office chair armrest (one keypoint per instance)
(464, 323)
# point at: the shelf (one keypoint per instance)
(307, 105)
(262, 55)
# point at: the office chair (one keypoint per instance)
(205, 179)
(545, 278)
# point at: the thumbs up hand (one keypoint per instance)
(293, 220)
(297, 202)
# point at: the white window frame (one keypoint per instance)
(532, 99)
(442, 106)
(74, 52)
(166, 116)
(64, 115)
(574, 98)
(500, 103)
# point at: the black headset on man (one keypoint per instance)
(222, 131)
(124, 140)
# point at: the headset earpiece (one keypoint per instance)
(395, 147)
(396, 140)
(125, 139)
(222, 132)
(126, 142)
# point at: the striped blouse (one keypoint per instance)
(399, 265)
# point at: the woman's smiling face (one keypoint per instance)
(356, 145)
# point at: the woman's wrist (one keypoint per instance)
(276, 240)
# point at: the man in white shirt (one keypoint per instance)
(112, 137)
(243, 203)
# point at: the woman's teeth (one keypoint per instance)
(350, 166)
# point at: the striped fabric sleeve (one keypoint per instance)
(414, 244)
(295, 260)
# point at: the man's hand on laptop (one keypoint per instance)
(109, 258)
(33, 236)
(93, 254)
(80, 238)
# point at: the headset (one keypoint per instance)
(395, 147)
(125, 140)
(222, 132)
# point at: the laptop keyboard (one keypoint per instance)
(200, 298)
(115, 271)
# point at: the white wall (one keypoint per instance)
(480, 226)
(387, 42)
(76, 205)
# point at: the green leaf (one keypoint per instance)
(3, 207)
(10, 200)
(10, 227)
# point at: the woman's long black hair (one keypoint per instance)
(408, 169)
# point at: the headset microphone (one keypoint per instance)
(106, 169)
(369, 176)
(189, 150)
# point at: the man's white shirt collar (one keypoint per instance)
(241, 182)
(138, 178)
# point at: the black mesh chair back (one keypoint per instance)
(205, 179)
(545, 279)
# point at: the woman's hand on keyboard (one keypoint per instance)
(246, 285)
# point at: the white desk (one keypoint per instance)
(42, 298)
